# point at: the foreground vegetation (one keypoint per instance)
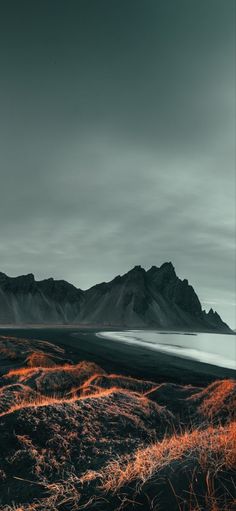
(74, 437)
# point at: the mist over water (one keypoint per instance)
(210, 348)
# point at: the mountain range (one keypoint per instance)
(156, 298)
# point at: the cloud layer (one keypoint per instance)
(118, 141)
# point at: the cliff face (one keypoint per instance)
(23, 300)
(139, 298)
(154, 298)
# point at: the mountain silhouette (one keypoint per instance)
(156, 298)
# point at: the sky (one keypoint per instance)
(117, 141)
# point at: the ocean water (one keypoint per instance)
(215, 349)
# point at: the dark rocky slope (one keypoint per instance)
(25, 300)
(154, 298)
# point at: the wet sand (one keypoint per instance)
(117, 357)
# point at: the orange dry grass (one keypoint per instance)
(224, 396)
(214, 506)
(128, 379)
(42, 400)
(212, 447)
(98, 380)
(90, 380)
(39, 359)
(80, 368)
(6, 352)
(28, 371)
(36, 402)
(220, 396)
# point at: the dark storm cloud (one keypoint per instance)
(117, 140)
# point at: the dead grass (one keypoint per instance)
(39, 400)
(14, 348)
(89, 440)
(120, 381)
(217, 399)
(8, 353)
(214, 448)
(40, 359)
(83, 368)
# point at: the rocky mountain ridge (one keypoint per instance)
(140, 298)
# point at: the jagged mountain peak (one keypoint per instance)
(136, 274)
(167, 268)
(139, 298)
(137, 268)
(167, 265)
(27, 277)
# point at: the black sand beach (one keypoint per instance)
(136, 361)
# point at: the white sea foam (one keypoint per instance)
(215, 349)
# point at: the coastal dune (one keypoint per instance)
(74, 435)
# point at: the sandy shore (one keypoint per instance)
(117, 357)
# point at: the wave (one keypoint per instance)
(214, 349)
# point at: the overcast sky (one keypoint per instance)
(117, 141)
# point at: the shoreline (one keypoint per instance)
(98, 328)
(162, 342)
(127, 359)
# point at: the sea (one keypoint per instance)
(210, 348)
